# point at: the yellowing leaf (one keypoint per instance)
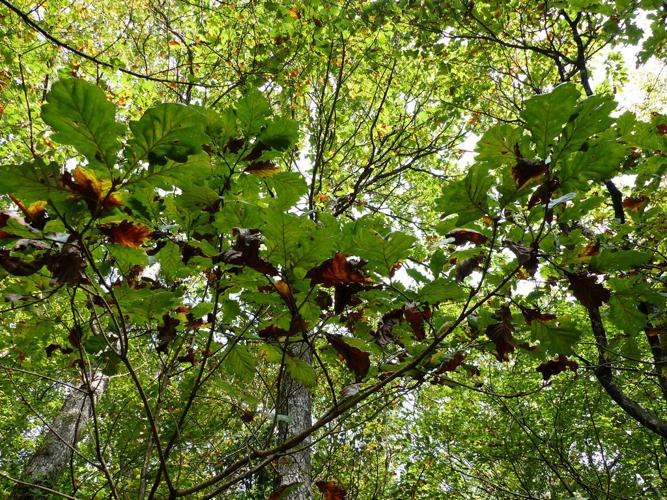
(126, 233)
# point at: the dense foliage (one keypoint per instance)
(243, 255)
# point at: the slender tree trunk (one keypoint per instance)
(55, 452)
(296, 405)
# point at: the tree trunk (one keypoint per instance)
(55, 452)
(295, 404)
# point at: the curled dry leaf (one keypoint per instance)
(126, 233)
(526, 170)
(466, 267)
(88, 187)
(166, 332)
(245, 252)
(462, 236)
(451, 364)
(635, 204)
(501, 334)
(356, 360)
(527, 257)
(338, 270)
(331, 491)
(557, 365)
(531, 315)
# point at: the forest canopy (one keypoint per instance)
(333, 249)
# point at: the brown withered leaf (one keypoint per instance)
(527, 257)
(416, 318)
(234, 145)
(88, 187)
(590, 250)
(557, 365)
(543, 193)
(467, 266)
(526, 170)
(262, 169)
(51, 348)
(166, 332)
(74, 336)
(383, 334)
(3, 222)
(531, 315)
(345, 294)
(587, 291)
(245, 252)
(451, 364)
(68, 267)
(256, 151)
(18, 267)
(662, 128)
(283, 490)
(462, 236)
(501, 334)
(356, 360)
(336, 271)
(273, 332)
(188, 357)
(635, 204)
(331, 491)
(126, 233)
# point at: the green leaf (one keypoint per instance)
(240, 362)
(441, 290)
(622, 260)
(497, 145)
(251, 111)
(546, 114)
(289, 187)
(468, 197)
(300, 371)
(625, 314)
(168, 132)
(280, 134)
(83, 118)
(382, 253)
(556, 338)
(599, 162)
(591, 116)
(33, 181)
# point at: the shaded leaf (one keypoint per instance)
(587, 291)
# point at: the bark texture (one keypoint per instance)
(296, 405)
(55, 452)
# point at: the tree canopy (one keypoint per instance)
(349, 249)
